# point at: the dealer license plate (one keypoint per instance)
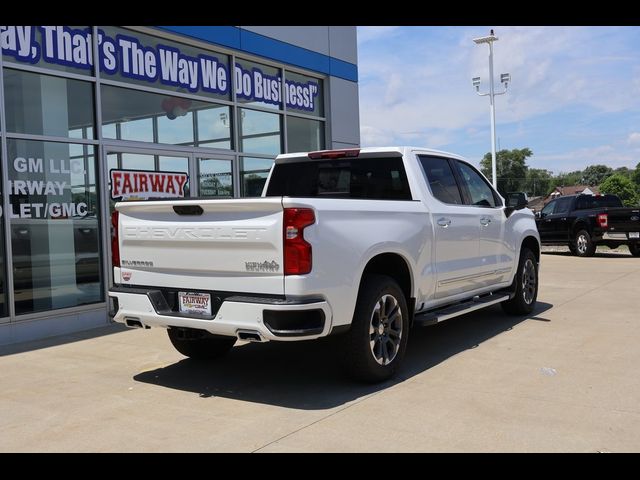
(634, 234)
(194, 302)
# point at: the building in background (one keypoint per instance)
(169, 112)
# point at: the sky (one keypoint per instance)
(574, 96)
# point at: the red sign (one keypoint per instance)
(144, 184)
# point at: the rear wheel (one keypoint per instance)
(375, 344)
(572, 248)
(634, 248)
(200, 344)
(525, 285)
(584, 245)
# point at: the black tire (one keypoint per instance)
(375, 345)
(572, 248)
(525, 285)
(634, 248)
(200, 344)
(584, 245)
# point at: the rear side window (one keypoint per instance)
(441, 179)
(363, 178)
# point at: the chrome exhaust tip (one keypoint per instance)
(250, 335)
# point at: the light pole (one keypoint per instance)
(504, 78)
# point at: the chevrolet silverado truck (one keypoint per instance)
(582, 222)
(361, 243)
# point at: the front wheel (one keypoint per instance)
(200, 344)
(375, 344)
(526, 285)
(634, 248)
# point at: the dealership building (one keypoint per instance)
(163, 112)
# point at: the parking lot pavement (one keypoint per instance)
(562, 380)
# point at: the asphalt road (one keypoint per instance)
(564, 379)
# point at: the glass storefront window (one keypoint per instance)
(134, 57)
(54, 221)
(177, 130)
(137, 161)
(3, 284)
(259, 132)
(304, 135)
(254, 174)
(258, 84)
(215, 127)
(150, 117)
(173, 164)
(304, 94)
(64, 48)
(47, 105)
(215, 177)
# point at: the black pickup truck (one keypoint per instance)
(584, 221)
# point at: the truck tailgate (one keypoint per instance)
(233, 245)
(624, 219)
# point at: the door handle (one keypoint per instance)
(548, 220)
(444, 222)
(484, 221)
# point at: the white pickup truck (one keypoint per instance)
(364, 243)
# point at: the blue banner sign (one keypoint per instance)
(127, 56)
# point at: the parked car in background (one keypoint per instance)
(582, 222)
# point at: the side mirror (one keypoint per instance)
(517, 200)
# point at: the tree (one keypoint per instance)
(595, 174)
(566, 179)
(635, 176)
(538, 182)
(624, 171)
(623, 188)
(511, 168)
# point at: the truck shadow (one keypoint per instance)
(308, 376)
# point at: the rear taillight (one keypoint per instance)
(115, 248)
(603, 220)
(297, 251)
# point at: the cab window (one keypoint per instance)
(442, 181)
(562, 205)
(548, 208)
(480, 193)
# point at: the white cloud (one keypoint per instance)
(366, 34)
(634, 138)
(375, 137)
(409, 85)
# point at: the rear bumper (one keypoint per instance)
(618, 236)
(274, 319)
